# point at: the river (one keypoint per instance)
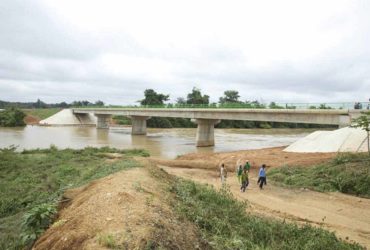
(165, 143)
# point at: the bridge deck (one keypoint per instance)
(317, 116)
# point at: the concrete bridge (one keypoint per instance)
(207, 118)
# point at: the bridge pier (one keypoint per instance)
(102, 121)
(344, 121)
(205, 132)
(138, 124)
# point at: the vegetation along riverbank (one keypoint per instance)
(33, 181)
(346, 173)
(140, 207)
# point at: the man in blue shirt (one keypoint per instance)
(262, 176)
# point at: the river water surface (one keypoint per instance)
(166, 143)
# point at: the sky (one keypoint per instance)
(283, 51)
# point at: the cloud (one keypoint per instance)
(311, 51)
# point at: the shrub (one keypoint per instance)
(36, 221)
(12, 117)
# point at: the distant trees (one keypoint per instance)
(180, 101)
(40, 104)
(12, 117)
(230, 96)
(273, 105)
(196, 97)
(153, 98)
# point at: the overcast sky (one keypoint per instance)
(283, 51)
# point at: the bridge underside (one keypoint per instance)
(206, 118)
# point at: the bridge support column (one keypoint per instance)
(102, 121)
(205, 132)
(138, 125)
(344, 121)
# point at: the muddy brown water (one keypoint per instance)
(165, 143)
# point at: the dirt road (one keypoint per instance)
(348, 216)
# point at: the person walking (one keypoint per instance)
(239, 172)
(223, 173)
(247, 166)
(262, 176)
(244, 180)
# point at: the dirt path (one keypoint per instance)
(348, 216)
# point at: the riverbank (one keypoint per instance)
(146, 208)
(142, 207)
(272, 157)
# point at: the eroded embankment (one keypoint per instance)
(127, 210)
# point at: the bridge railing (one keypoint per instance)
(250, 105)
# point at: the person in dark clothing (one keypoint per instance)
(244, 180)
(262, 176)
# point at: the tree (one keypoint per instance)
(273, 105)
(153, 98)
(230, 96)
(99, 103)
(40, 104)
(363, 122)
(181, 101)
(12, 117)
(196, 97)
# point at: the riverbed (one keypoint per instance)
(164, 143)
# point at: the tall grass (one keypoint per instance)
(347, 173)
(37, 178)
(225, 224)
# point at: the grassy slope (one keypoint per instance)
(42, 113)
(225, 224)
(40, 176)
(347, 173)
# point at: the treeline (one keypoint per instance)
(195, 98)
(40, 104)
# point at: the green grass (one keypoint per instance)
(42, 113)
(224, 223)
(347, 173)
(33, 178)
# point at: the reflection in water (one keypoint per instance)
(167, 143)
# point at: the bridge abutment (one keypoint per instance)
(139, 124)
(102, 121)
(205, 132)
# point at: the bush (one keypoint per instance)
(36, 221)
(12, 117)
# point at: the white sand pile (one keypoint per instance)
(340, 140)
(66, 117)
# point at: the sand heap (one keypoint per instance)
(66, 117)
(340, 140)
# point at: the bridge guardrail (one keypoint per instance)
(252, 105)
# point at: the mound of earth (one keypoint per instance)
(127, 210)
(31, 120)
(272, 157)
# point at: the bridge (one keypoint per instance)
(207, 118)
